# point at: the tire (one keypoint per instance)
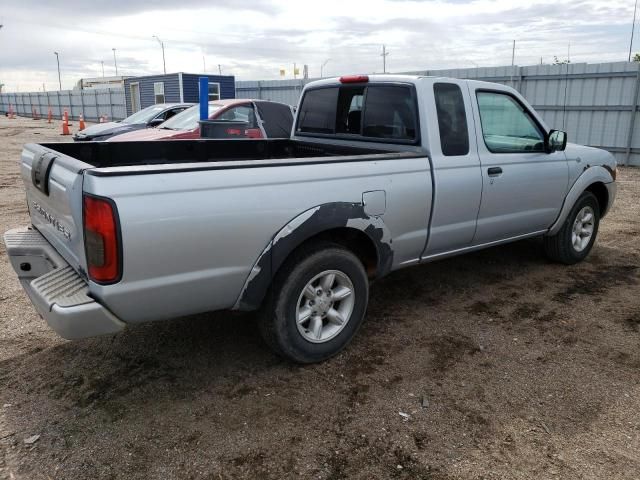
(563, 246)
(314, 341)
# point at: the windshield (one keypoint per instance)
(144, 115)
(188, 120)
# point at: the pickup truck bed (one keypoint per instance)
(126, 154)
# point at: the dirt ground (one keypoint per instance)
(527, 370)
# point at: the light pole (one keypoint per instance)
(102, 63)
(115, 62)
(324, 64)
(59, 78)
(633, 28)
(162, 45)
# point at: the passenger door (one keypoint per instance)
(523, 186)
(456, 170)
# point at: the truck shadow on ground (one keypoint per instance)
(446, 328)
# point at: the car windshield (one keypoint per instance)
(188, 120)
(144, 115)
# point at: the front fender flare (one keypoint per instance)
(590, 176)
(303, 227)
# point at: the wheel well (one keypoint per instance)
(354, 240)
(601, 194)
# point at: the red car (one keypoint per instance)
(265, 120)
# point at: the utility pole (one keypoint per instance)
(324, 64)
(162, 46)
(633, 28)
(102, 63)
(115, 62)
(384, 58)
(58, 61)
(219, 69)
(204, 65)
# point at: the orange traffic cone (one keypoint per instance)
(49, 115)
(81, 125)
(65, 124)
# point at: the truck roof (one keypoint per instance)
(383, 77)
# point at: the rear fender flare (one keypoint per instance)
(303, 227)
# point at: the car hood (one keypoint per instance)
(146, 134)
(109, 128)
(590, 155)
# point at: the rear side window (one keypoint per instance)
(452, 119)
(389, 113)
(375, 111)
(318, 111)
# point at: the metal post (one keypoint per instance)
(384, 58)
(204, 98)
(59, 77)
(70, 104)
(82, 104)
(95, 97)
(110, 104)
(633, 29)
(115, 62)
(164, 65)
(632, 122)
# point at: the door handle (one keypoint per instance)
(494, 171)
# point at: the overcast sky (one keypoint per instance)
(254, 39)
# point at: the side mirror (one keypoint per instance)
(155, 122)
(556, 141)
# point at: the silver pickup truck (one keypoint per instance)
(381, 172)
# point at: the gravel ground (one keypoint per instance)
(497, 364)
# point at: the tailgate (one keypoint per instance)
(53, 183)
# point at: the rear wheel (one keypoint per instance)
(317, 303)
(578, 233)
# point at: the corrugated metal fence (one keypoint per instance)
(596, 103)
(90, 103)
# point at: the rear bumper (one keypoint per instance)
(58, 293)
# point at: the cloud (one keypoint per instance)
(253, 39)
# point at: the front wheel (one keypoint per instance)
(578, 233)
(317, 303)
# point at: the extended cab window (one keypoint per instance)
(318, 111)
(376, 111)
(507, 127)
(452, 119)
(390, 112)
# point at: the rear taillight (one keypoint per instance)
(101, 239)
